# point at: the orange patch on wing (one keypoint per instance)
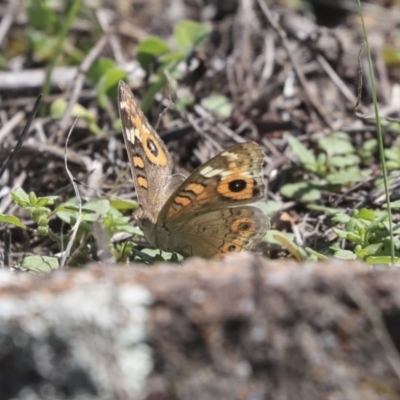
(138, 162)
(159, 157)
(141, 122)
(233, 246)
(196, 188)
(135, 120)
(142, 182)
(245, 194)
(182, 201)
(244, 227)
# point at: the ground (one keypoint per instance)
(292, 76)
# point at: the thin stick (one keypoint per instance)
(379, 134)
(21, 137)
(75, 228)
(300, 76)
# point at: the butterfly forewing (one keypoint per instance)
(150, 161)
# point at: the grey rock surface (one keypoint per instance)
(242, 328)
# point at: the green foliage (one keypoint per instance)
(365, 235)
(40, 264)
(104, 212)
(59, 106)
(303, 191)
(48, 27)
(37, 207)
(42, 17)
(379, 136)
(158, 59)
(150, 49)
(393, 158)
(334, 164)
(218, 104)
(188, 35)
(104, 76)
(47, 31)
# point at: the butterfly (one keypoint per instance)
(205, 214)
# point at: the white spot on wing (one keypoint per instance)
(210, 172)
(247, 174)
(130, 133)
(233, 156)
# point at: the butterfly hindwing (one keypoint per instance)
(221, 231)
(231, 178)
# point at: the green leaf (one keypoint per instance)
(189, 34)
(355, 225)
(305, 156)
(46, 201)
(344, 177)
(395, 204)
(40, 15)
(336, 144)
(97, 210)
(341, 218)
(92, 211)
(348, 160)
(218, 104)
(98, 69)
(32, 198)
(153, 45)
(354, 238)
(269, 207)
(107, 85)
(373, 249)
(302, 191)
(317, 255)
(382, 260)
(115, 221)
(12, 220)
(393, 154)
(345, 255)
(170, 61)
(340, 233)
(149, 49)
(370, 145)
(20, 197)
(328, 210)
(40, 264)
(59, 106)
(69, 217)
(392, 165)
(43, 46)
(269, 237)
(391, 55)
(366, 214)
(124, 204)
(68, 211)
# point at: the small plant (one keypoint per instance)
(334, 164)
(42, 210)
(365, 235)
(161, 62)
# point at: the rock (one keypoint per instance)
(240, 328)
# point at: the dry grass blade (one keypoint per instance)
(21, 137)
